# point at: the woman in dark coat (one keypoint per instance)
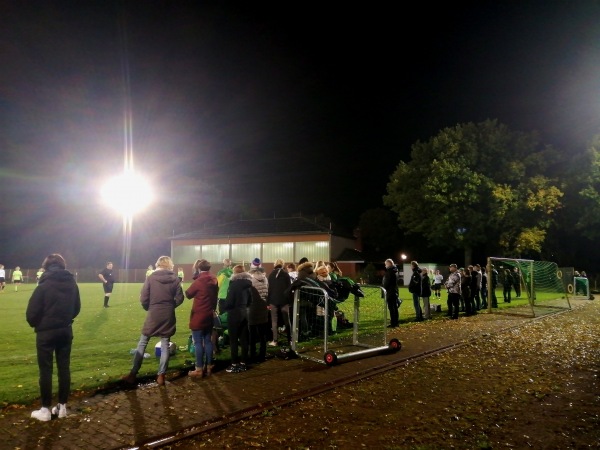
(239, 298)
(204, 291)
(160, 295)
(279, 301)
(390, 284)
(53, 306)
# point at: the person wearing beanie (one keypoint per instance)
(255, 263)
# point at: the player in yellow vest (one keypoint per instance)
(17, 277)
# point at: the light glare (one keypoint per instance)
(128, 193)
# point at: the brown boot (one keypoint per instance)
(129, 379)
(196, 373)
(160, 379)
(209, 369)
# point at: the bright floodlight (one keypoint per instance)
(127, 193)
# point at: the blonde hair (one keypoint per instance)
(279, 262)
(165, 262)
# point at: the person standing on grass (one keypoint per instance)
(180, 274)
(17, 277)
(414, 287)
(390, 284)
(279, 302)
(203, 290)
(454, 291)
(108, 280)
(236, 305)
(507, 283)
(53, 306)
(39, 274)
(160, 295)
(149, 271)
(223, 277)
(258, 312)
(2, 278)
(438, 279)
(425, 293)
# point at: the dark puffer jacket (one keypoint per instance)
(239, 298)
(55, 302)
(160, 295)
(258, 313)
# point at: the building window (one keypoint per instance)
(314, 251)
(275, 250)
(186, 254)
(215, 253)
(245, 252)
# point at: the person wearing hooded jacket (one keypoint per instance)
(239, 298)
(390, 284)
(203, 291)
(279, 283)
(53, 306)
(160, 295)
(258, 313)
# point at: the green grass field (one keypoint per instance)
(104, 337)
(102, 340)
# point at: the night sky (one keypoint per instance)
(287, 108)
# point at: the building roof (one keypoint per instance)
(261, 227)
(350, 255)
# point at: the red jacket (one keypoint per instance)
(204, 291)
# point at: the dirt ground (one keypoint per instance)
(535, 387)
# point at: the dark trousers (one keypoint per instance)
(392, 304)
(258, 335)
(48, 343)
(507, 292)
(238, 337)
(476, 298)
(453, 305)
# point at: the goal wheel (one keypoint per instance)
(330, 358)
(395, 345)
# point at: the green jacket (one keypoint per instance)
(223, 277)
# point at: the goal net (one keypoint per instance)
(526, 287)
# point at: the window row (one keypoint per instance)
(267, 252)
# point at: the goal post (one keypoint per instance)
(525, 286)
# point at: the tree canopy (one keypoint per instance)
(478, 184)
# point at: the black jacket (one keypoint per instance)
(55, 302)
(390, 282)
(279, 283)
(414, 285)
(239, 298)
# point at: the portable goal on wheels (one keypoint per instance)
(327, 331)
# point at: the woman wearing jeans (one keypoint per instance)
(204, 291)
(160, 295)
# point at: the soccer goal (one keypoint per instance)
(526, 287)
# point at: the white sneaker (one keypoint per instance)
(42, 414)
(60, 410)
(272, 344)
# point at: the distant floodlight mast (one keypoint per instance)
(128, 193)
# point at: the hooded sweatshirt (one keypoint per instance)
(55, 302)
(160, 295)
